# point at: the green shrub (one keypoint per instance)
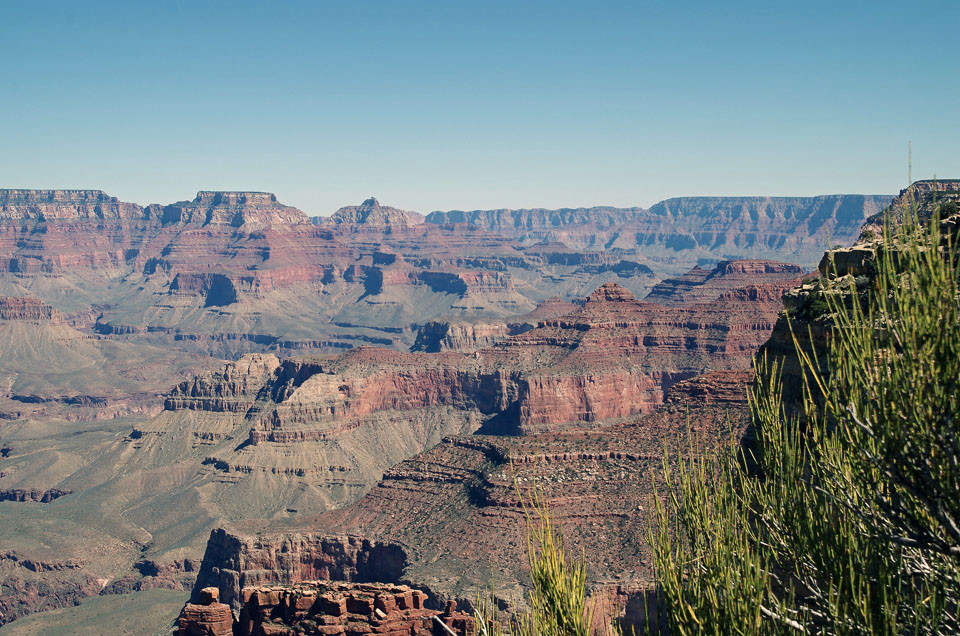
(853, 524)
(557, 598)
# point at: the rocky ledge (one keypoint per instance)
(327, 608)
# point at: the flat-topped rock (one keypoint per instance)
(757, 266)
(249, 210)
(23, 196)
(335, 608)
(215, 197)
(701, 285)
(64, 205)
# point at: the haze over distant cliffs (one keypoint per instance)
(211, 274)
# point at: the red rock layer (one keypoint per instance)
(231, 563)
(208, 617)
(453, 514)
(703, 285)
(330, 608)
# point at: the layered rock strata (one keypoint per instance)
(453, 512)
(211, 274)
(207, 617)
(328, 608)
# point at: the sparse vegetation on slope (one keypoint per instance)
(846, 519)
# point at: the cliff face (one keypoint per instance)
(924, 196)
(250, 210)
(229, 273)
(64, 205)
(724, 226)
(454, 506)
(799, 224)
(12, 308)
(505, 220)
(437, 336)
(232, 562)
(232, 389)
(704, 285)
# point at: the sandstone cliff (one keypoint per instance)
(64, 205)
(731, 226)
(249, 210)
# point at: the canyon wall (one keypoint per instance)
(234, 363)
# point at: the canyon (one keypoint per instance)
(224, 392)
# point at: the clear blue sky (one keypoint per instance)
(440, 105)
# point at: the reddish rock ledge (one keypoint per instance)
(324, 608)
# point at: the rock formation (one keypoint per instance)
(328, 608)
(453, 515)
(207, 617)
(704, 285)
(731, 227)
(210, 275)
(371, 214)
(357, 445)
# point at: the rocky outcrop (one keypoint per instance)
(64, 205)
(438, 336)
(371, 214)
(797, 225)
(923, 197)
(12, 308)
(207, 617)
(505, 220)
(731, 226)
(435, 336)
(34, 495)
(233, 389)
(233, 562)
(23, 595)
(36, 565)
(218, 290)
(332, 608)
(850, 270)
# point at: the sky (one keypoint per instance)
(466, 105)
